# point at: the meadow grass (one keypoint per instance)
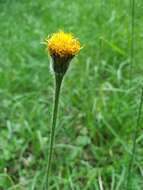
(99, 102)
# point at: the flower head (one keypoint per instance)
(63, 44)
(62, 48)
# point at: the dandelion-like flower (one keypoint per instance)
(62, 47)
(63, 44)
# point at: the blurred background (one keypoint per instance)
(99, 100)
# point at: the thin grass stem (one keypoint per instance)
(132, 7)
(134, 140)
(132, 13)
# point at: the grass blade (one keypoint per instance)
(132, 5)
(134, 140)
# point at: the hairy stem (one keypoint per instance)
(58, 82)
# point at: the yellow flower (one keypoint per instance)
(62, 44)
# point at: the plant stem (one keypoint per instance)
(58, 82)
(134, 139)
(132, 5)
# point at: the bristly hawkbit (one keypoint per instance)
(62, 47)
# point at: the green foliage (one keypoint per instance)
(99, 100)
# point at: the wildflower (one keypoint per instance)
(62, 47)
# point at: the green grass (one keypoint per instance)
(99, 100)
